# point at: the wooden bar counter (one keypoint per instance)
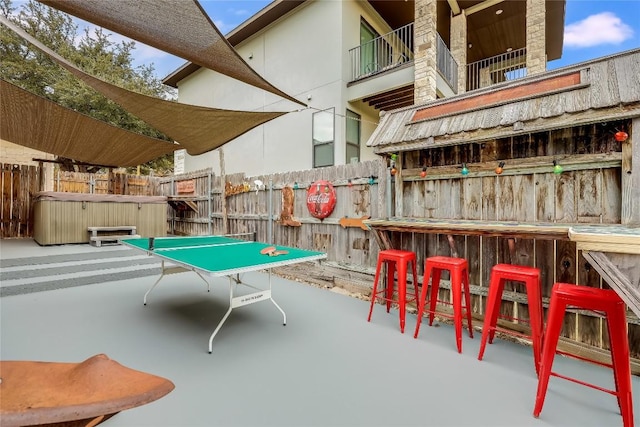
(613, 250)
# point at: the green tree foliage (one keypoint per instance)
(91, 50)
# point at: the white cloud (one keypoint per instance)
(239, 12)
(222, 27)
(598, 29)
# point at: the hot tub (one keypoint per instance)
(61, 218)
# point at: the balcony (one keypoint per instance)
(382, 54)
(377, 80)
(382, 72)
(497, 69)
(447, 66)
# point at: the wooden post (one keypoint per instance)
(223, 181)
(110, 181)
(41, 177)
(399, 211)
(631, 178)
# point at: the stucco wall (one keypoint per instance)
(304, 54)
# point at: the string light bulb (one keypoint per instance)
(372, 180)
(500, 168)
(557, 168)
(423, 173)
(465, 170)
(349, 183)
(621, 136)
(295, 185)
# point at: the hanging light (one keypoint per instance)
(557, 168)
(465, 170)
(621, 136)
(295, 185)
(500, 167)
(423, 173)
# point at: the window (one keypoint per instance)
(323, 138)
(353, 137)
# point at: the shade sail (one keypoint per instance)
(35, 122)
(196, 129)
(181, 28)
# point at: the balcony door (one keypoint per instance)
(368, 48)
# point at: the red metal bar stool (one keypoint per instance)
(459, 270)
(607, 303)
(530, 276)
(395, 259)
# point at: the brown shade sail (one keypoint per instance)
(181, 28)
(35, 122)
(196, 129)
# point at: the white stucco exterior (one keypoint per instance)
(305, 54)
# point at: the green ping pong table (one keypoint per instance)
(218, 256)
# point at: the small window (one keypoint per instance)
(323, 138)
(353, 137)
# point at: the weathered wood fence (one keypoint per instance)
(106, 183)
(199, 205)
(19, 184)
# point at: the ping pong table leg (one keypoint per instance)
(256, 297)
(284, 315)
(154, 285)
(218, 328)
(224, 318)
(205, 281)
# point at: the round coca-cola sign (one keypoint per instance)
(321, 199)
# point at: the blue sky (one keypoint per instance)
(593, 28)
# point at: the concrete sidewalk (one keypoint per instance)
(327, 367)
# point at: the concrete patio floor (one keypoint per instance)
(327, 367)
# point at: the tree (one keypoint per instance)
(95, 53)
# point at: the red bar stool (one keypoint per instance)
(607, 303)
(395, 259)
(459, 271)
(530, 276)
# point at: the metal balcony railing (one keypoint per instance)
(382, 53)
(497, 69)
(447, 66)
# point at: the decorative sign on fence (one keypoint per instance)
(321, 199)
(186, 187)
(288, 202)
(230, 189)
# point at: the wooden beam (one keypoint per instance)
(611, 274)
(630, 197)
(455, 7)
(394, 103)
(389, 95)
